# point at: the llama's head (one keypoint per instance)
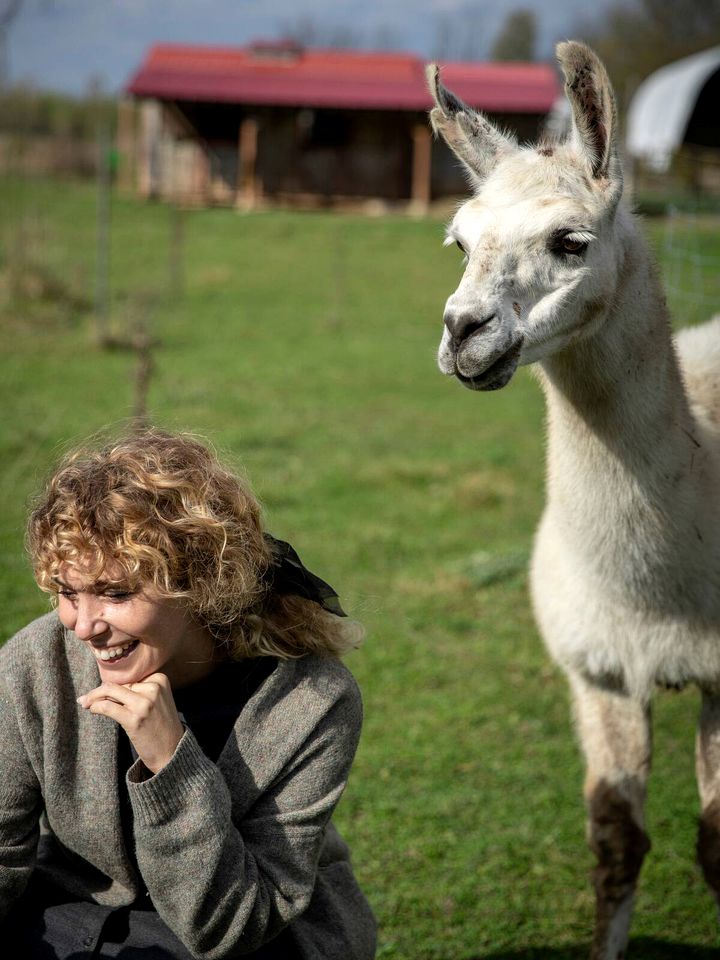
(537, 236)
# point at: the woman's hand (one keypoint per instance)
(146, 711)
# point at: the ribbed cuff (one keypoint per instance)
(163, 795)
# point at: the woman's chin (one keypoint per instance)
(115, 675)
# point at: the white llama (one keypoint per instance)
(626, 567)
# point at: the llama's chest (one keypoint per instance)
(613, 632)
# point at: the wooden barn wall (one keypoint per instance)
(301, 153)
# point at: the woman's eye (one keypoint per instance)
(118, 596)
(67, 593)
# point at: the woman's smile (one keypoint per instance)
(110, 655)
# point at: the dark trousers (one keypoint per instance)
(49, 925)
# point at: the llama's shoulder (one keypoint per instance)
(699, 354)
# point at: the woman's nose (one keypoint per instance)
(89, 617)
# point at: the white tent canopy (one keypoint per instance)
(663, 105)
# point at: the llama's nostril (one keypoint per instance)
(463, 325)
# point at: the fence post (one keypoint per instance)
(102, 252)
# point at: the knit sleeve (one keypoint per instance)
(20, 799)
(226, 884)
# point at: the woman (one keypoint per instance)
(175, 737)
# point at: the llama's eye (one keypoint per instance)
(572, 243)
(461, 248)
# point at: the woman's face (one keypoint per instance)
(133, 634)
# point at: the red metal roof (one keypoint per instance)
(287, 75)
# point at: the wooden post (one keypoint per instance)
(247, 181)
(421, 156)
(176, 260)
(201, 173)
(102, 251)
(126, 145)
(149, 166)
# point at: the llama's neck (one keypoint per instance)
(622, 385)
(622, 439)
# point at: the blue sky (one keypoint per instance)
(64, 44)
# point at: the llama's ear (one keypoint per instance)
(470, 135)
(592, 101)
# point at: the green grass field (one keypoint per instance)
(303, 346)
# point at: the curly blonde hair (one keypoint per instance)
(158, 510)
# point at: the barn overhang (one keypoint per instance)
(283, 75)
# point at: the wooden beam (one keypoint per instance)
(248, 184)
(201, 174)
(420, 193)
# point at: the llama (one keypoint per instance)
(625, 575)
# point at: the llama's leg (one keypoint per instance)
(615, 735)
(707, 755)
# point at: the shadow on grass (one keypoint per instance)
(641, 948)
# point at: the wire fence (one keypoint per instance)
(690, 254)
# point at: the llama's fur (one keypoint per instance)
(626, 567)
(699, 352)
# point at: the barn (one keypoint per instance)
(672, 126)
(276, 123)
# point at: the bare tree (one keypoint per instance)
(443, 42)
(516, 39)
(636, 40)
(471, 23)
(9, 9)
(455, 38)
(385, 38)
(458, 33)
(307, 32)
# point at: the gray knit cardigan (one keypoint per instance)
(230, 853)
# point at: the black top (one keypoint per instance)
(209, 708)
